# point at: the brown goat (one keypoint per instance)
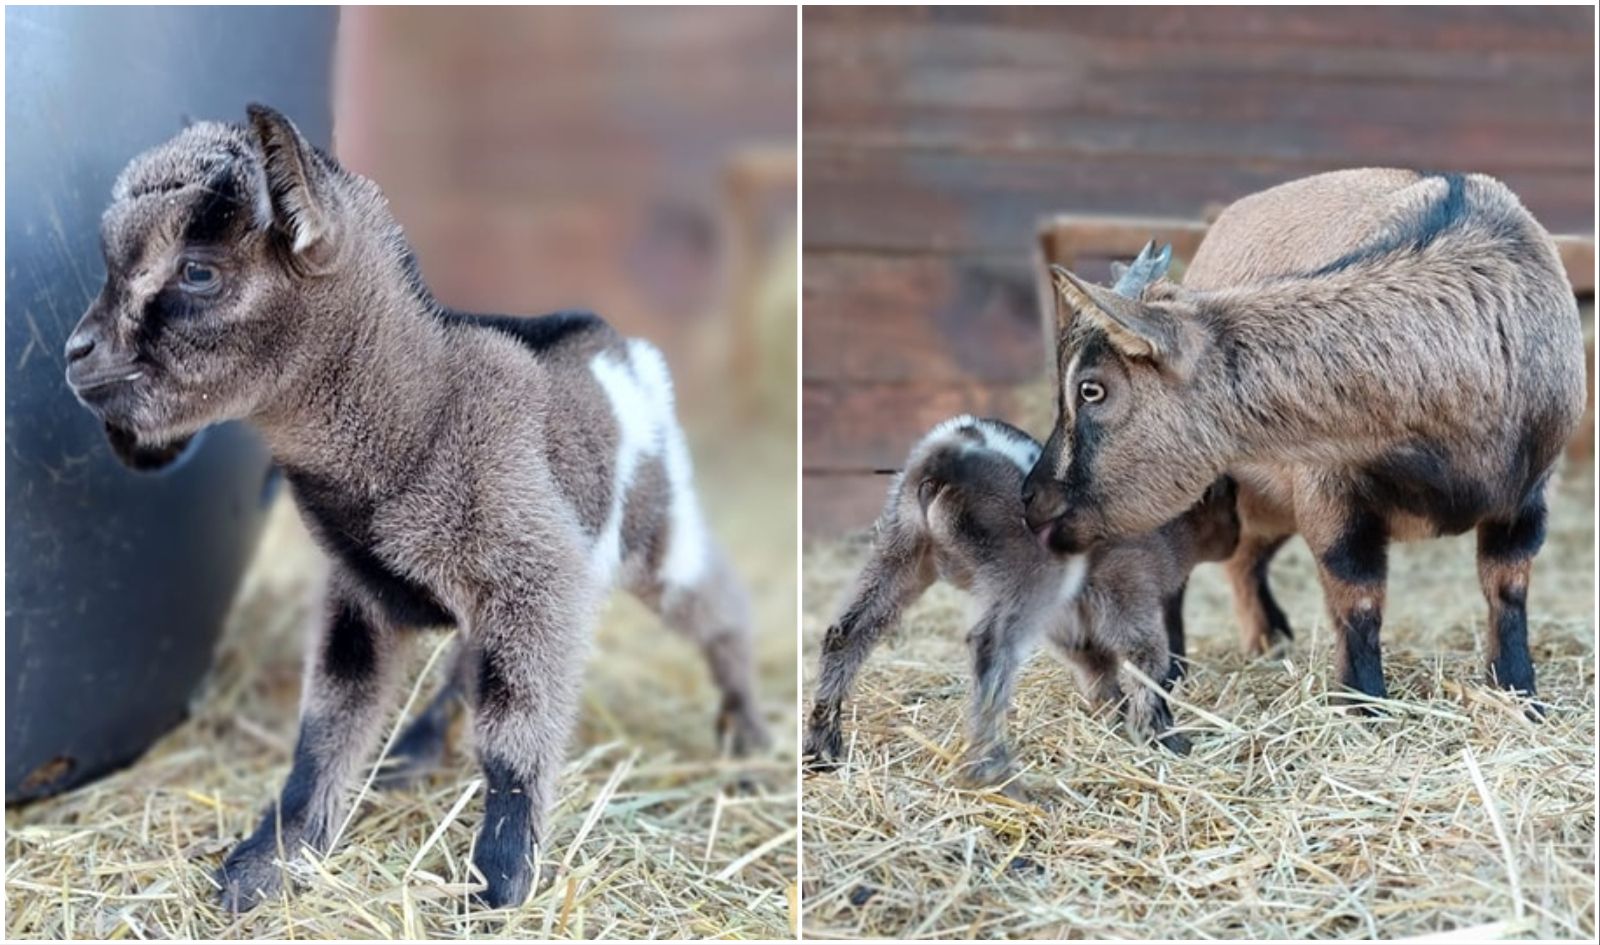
(955, 514)
(1373, 355)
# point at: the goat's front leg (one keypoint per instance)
(528, 677)
(348, 690)
(1000, 643)
(1145, 709)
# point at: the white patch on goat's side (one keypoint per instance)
(1072, 575)
(1021, 450)
(638, 436)
(946, 427)
(687, 542)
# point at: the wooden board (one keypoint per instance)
(938, 141)
(927, 318)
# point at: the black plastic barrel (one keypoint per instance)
(117, 583)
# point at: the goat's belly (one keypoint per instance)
(1421, 494)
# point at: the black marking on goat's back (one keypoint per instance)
(1361, 553)
(350, 648)
(344, 529)
(1420, 480)
(1414, 234)
(539, 333)
(1519, 539)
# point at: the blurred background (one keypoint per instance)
(940, 142)
(637, 162)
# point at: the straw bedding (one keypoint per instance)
(652, 836)
(1289, 820)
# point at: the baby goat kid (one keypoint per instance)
(498, 474)
(955, 514)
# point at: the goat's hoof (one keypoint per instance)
(1175, 742)
(249, 875)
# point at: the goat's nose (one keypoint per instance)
(79, 346)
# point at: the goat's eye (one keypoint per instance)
(1091, 392)
(200, 278)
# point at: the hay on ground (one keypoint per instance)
(1289, 820)
(651, 837)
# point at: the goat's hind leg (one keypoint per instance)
(1505, 566)
(893, 577)
(1000, 643)
(420, 748)
(713, 610)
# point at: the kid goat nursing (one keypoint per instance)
(493, 473)
(955, 514)
(1374, 355)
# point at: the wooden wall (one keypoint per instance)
(935, 139)
(543, 158)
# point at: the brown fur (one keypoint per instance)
(1373, 355)
(459, 469)
(954, 515)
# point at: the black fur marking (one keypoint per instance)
(1087, 432)
(350, 650)
(1413, 235)
(216, 212)
(1172, 616)
(506, 840)
(1363, 668)
(1420, 480)
(1519, 540)
(1513, 665)
(1277, 620)
(1361, 554)
(141, 458)
(302, 782)
(538, 333)
(1542, 440)
(985, 651)
(344, 528)
(494, 690)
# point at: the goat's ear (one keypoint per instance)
(298, 183)
(1136, 329)
(134, 455)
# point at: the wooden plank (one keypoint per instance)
(835, 504)
(1468, 139)
(862, 427)
(1488, 29)
(927, 318)
(1577, 255)
(1025, 52)
(909, 201)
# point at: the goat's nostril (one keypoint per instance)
(79, 346)
(1027, 496)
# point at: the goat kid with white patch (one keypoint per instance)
(955, 514)
(498, 474)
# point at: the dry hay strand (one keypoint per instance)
(1291, 819)
(651, 837)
